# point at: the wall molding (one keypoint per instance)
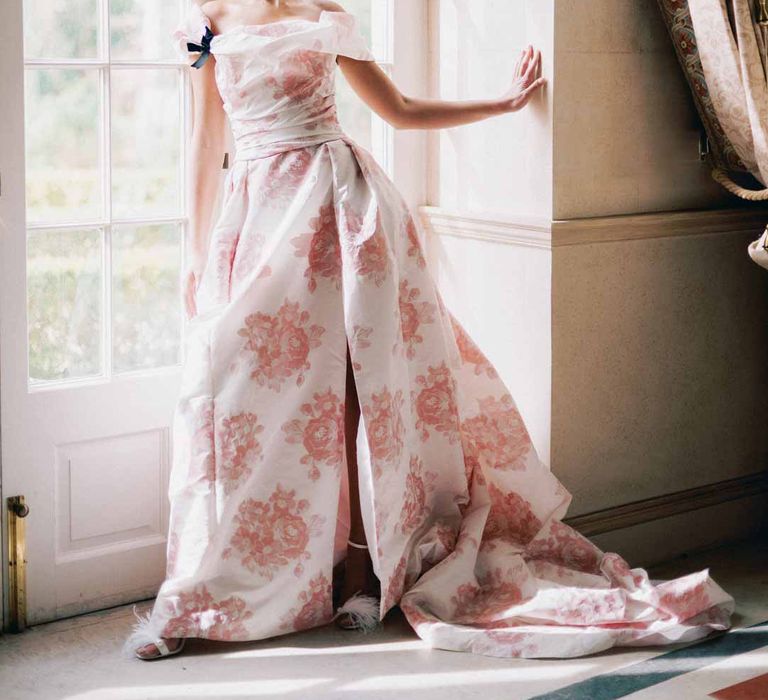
(664, 506)
(543, 233)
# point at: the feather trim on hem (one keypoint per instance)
(363, 611)
(145, 631)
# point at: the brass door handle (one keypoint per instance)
(17, 563)
(19, 509)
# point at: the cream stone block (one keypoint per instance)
(626, 134)
(609, 26)
(659, 379)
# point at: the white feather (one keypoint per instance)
(145, 631)
(363, 611)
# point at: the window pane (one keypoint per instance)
(62, 144)
(64, 304)
(146, 125)
(61, 28)
(146, 302)
(140, 29)
(361, 9)
(355, 117)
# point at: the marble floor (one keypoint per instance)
(79, 659)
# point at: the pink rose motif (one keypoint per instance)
(368, 249)
(413, 315)
(279, 345)
(497, 436)
(561, 544)
(511, 518)
(414, 246)
(395, 586)
(321, 248)
(316, 607)
(435, 403)
(197, 613)
(321, 433)
(470, 352)
(273, 534)
(384, 428)
(493, 594)
(418, 484)
(240, 449)
(684, 602)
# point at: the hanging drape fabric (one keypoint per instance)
(722, 46)
(731, 48)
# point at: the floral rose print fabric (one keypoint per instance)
(315, 251)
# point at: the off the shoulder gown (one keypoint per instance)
(314, 249)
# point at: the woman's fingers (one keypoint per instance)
(533, 66)
(524, 62)
(535, 85)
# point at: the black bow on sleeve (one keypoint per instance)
(204, 47)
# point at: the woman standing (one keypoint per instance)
(334, 411)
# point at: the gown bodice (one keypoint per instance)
(277, 80)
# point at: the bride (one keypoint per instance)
(340, 444)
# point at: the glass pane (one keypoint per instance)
(146, 301)
(146, 124)
(64, 304)
(140, 29)
(361, 9)
(355, 117)
(61, 28)
(62, 144)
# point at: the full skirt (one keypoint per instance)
(314, 252)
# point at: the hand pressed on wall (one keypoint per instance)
(526, 81)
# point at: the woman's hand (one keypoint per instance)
(526, 81)
(191, 282)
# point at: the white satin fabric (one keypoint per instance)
(315, 250)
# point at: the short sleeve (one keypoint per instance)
(191, 29)
(347, 39)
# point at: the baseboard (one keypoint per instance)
(659, 529)
(651, 509)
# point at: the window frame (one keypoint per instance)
(393, 150)
(104, 64)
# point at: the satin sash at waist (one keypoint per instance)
(282, 141)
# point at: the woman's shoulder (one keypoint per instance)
(325, 6)
(213, 10)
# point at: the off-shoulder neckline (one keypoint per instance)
(254, 25)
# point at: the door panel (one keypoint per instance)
(93, 215)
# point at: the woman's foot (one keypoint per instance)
(150, 651)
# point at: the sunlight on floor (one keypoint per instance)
(244, 689)
(423, 681)
(334, 651)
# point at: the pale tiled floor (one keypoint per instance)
(79, 657)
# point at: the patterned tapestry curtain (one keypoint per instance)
(722, 47)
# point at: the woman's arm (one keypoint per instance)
(376, 89)
(206, 155)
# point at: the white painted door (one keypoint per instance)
(95, 113)
(95, 110)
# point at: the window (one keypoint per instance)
(106, 116)
(375, 18)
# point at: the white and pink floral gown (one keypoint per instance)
(315, 249)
